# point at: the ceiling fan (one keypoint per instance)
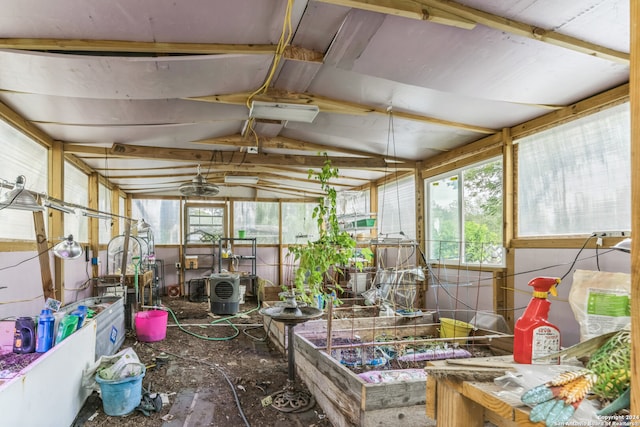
(199, 186)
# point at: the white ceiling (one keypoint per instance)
(94, 73)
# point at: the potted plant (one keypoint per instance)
(320, 262)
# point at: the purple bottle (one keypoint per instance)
(24, 337)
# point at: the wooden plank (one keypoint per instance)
(496, 419)
(296, 53)
(224, 157)
(454, 409)
(635, 206)
(397, 395)
(431, 397)
(479, 395)
(521, 418)
(337, 400)
(43, 255)
(56, 218)
(404, 416)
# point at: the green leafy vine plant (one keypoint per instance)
(321, 261)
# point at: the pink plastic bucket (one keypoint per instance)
(151, 325)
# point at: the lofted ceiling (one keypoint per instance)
(145, 91)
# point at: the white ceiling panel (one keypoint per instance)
(95, 73)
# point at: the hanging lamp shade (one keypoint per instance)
(623, 245)
(19, 198)
(199, 186)
(68, 249)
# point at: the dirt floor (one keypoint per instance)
(211, 375)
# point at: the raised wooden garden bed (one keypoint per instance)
(342, 387)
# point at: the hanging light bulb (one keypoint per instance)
(68, 248)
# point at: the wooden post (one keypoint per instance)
(56, 218)
(453, 409)
(635, 207)
(43, 255)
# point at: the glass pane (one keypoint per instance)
(121, 212)
(76, 191)
(396, 208)
(104, 205)
(482, 209)
(20, 156)
(258, 219)
(576, 178)
(162, 215)
(298, 225)
(444, 219)
(204, 223)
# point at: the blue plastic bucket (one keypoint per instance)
(121, 397)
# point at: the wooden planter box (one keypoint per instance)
(346, 398)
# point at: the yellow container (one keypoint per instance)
(450, 328)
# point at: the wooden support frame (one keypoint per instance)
(635, 206)
(42, 244)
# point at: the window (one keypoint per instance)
(20, 156)
(298, 225)
(258, 219)
(464, 215)
(204, 223)
(104, 205)
(396, 208)
(162, 215)
(122, 213)
(76, 191)
(576, 178)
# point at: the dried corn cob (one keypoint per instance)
(612, 364)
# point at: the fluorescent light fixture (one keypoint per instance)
(20, 198)
(96, 215)
(281, 111)
(60, 208)
(68, 249)
(234, 179)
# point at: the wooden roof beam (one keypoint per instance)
(424, 9)
(329, 105)
(122, 46)
(225, 157)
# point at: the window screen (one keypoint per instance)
(396, 208)
(576, 178)
(298, 225)
(258, 219)
(20, 156)
(104, 205)
(162, 215)
(76, 191)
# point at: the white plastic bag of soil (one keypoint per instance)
(120, 365)
(601, 302)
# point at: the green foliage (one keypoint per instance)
(319, 261)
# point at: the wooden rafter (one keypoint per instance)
(422, 9)
(329, 105)
(227, 157)
(283, 143)
(296, 53)
(408, 9)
